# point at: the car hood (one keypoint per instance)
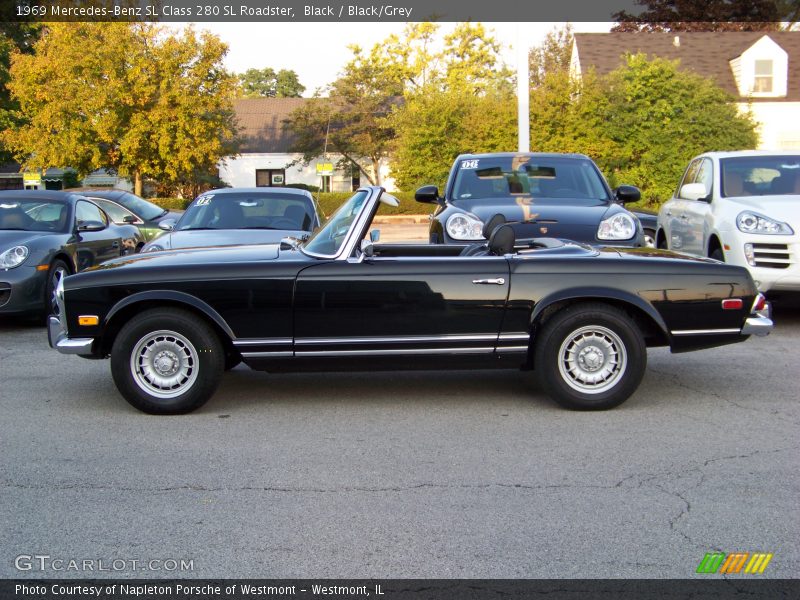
(13, 237)
(537, 219)
(198, 238)
(783, 208)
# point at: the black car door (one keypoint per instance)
(400, 306)
(94, 247)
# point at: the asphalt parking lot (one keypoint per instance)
(420, 474)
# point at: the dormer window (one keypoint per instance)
(762, 82)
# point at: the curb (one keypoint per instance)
(400, 219)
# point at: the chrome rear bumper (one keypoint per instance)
(757, 325)
(58, 340)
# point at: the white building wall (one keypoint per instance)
(240, 171)
(778, 124)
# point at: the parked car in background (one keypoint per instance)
(545, 195)
(45, 236)
(582, 316)
(649, 221)
(233, 216)
(742, 208)
(126, 208)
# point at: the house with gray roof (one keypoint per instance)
(760, 69)
(266, 157)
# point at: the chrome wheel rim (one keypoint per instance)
(649, 241)
(592, 359)
(55, 278)
(164, 364)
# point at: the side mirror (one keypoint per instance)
(86, 226)
(167, 224)
(428, 194)
(694, 191)
(375, 235)
(129, 219)
(627, 193)
(366, 248)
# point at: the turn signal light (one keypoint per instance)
(88, 320)
(732, 304)
(760, 303)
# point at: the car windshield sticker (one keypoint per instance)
(204, 200)
(469, 164)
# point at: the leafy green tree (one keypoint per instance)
(553, 55)
(432, 129)
(14, 37)
(659, 117)
(267, 83)
(708, 15)
(125, 97)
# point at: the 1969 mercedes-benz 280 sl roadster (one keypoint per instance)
(582, 317)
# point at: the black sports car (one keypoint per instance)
(553, 195)
(235, 216)
(46, 235)
(581, 316)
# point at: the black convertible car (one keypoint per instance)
(46, 235)
(582, 317)
(543, 194)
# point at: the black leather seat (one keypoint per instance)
(502, 240)
(481, 249)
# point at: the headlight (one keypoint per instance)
(621, 226)
(750, 222)
(462, 226)
(152, 248)
(13, 257)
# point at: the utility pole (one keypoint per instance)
(523, 91)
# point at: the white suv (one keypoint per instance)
(742, 208)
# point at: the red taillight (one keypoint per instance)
(760, 303)
(732, 304)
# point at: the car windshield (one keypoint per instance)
(554, 180)
(760, 175)
(328, 240)
(249, 210)
(33, 215)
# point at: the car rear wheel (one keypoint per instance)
(649, 238)
(166, 361)
(58, 270)
(717, 254)
(590, 357)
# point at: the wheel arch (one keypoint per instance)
(644, 315)
(134, 304)
(714, 243)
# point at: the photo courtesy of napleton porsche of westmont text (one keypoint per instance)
(415, 300)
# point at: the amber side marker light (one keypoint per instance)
(42, 267)
(88, 320)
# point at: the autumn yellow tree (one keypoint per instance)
(123, 96)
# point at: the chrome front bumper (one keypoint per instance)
(58, 339)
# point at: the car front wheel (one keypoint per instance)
(590, 357)
(166, 361)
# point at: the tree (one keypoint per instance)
(432, 129)
(708, 15)
(266, 83)
(125, 97)
(659, 117)
(551, 56)
(14, 37)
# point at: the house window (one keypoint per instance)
(762, 84)
(270, 177)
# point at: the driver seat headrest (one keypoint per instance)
(502, 240)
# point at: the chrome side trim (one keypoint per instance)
(513, 349)
(514, 336)
(286, 354)
(396, 351)
(264, 342)
(704, 331)
(757, 325)
(401, 338)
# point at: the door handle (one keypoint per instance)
(496, 281)
(684, 218)
(668, 213)
(115, 245)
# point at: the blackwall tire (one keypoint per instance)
(166, 361)
(590, 357)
